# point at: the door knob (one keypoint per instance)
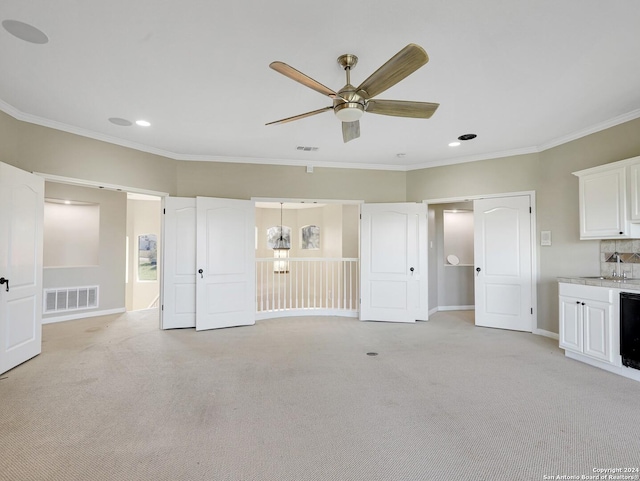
(4, 281)
(200, 271)
(411, 269)
(478, 271)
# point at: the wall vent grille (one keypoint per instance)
(70, 299)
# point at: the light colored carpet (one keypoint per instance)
(114, 398)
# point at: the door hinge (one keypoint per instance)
(162, 308)
(164, 211)
(532, 310)
(530, 210)
(360, 216)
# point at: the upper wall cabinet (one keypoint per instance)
(610, 200)
(634, 190)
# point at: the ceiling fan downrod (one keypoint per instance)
(348, 105)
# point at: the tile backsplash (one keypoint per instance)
(629, 252)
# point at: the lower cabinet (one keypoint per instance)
(586, 315)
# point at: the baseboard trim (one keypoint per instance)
(542, 332)
(456, 308)
(82, 315)
(260, 316)
(619, 370)
(433, 311)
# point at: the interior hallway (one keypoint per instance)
(115, 398)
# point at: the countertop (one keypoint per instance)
(608, 282)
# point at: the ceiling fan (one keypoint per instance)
(350, 102)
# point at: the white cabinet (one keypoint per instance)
(603, 210)
(634, 190)
(609, 198)
(586, 316)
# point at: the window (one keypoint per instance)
(147, 257)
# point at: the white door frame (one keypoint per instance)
(535, 263)
(126, 189)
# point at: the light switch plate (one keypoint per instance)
(545, 238)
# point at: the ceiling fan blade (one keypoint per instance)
(350, 130)
(301, 116)
(398, 67)
(298, 76)
(402, 108)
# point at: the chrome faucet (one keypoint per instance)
(617, 273)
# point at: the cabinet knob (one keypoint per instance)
(577, 302)
(621, 233)
(583, 303)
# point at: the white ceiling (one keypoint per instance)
(523, 75)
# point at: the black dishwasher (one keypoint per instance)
(630, 329)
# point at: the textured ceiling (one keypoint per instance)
(521, 75)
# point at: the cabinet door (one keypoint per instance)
(634, 188)
(570, 323)
(597, 330)
(603, 209)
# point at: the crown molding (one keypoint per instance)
(474, 158)
(53, 124)
(607, 124)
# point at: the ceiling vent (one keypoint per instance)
(306, 149)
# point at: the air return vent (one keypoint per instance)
(70, 299)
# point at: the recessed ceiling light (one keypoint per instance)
(67, 202)
(454, 144)
(143, 123)
(120, 122)
(401, 155)
(25, 32)
(467, 137)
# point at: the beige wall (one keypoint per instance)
(109, 274)
(71, 234)
(549, 174)
(8, 139)
(40, 149)
(244, 181)
(351, 231)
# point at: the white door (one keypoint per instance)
(225, 276)
(21, 220)
(393, 262)
(179, 276)
(503, 271)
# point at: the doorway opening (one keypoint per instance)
(317, 271)
(451, 261)
(94, 278)
(143, 244)
(505, 268)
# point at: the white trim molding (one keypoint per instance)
(456, 308)
(549, 334)
(82, 315)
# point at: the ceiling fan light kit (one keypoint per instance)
(350, 103)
